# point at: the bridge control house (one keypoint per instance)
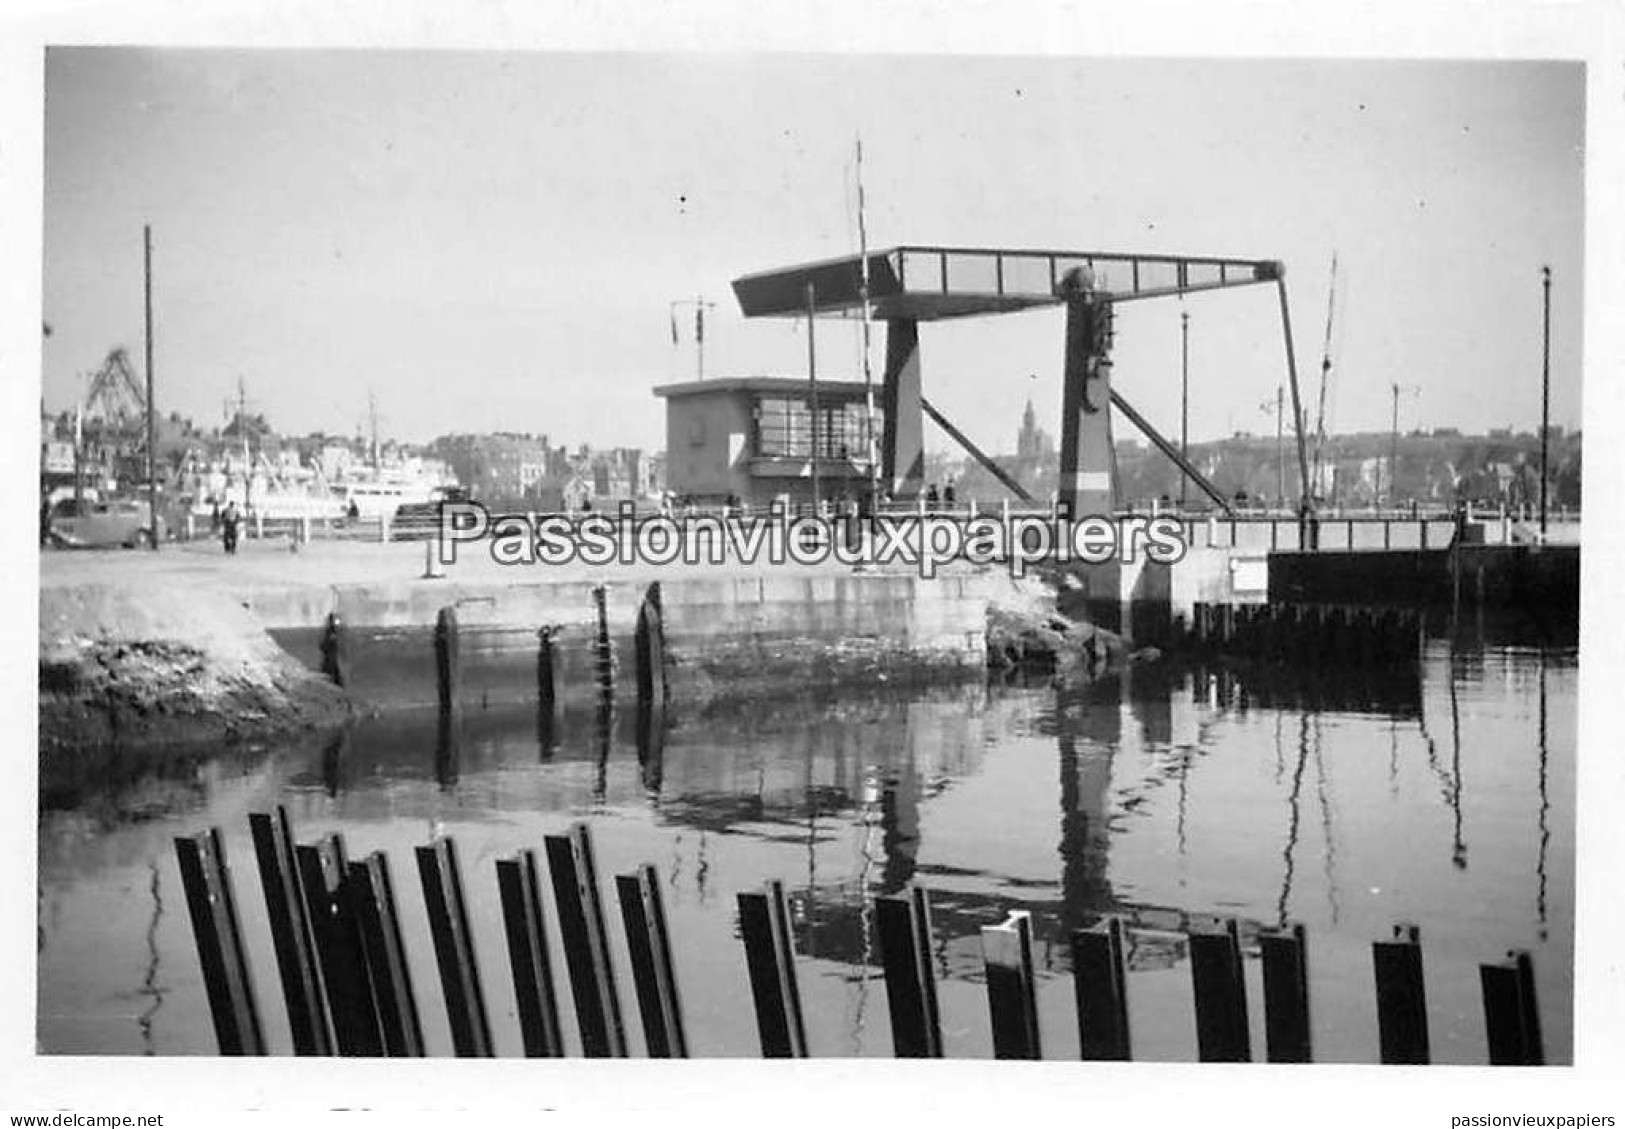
(751, 438)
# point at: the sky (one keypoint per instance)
(492, 240)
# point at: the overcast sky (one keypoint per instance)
(492, 240)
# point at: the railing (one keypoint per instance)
(342, 964)
(1274, 531)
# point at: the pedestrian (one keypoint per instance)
(931, 497)
(229, 520)
(948, 494)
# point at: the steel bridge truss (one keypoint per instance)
(911, 284)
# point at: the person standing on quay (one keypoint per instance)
(228, 528)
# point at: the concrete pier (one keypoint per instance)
(740, 633)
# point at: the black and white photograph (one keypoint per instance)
(857, 548)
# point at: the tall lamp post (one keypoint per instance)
(152, 426)
(1545, 385)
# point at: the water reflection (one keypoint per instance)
(335, 758)
(1545, 809)
(1165, 796)
(1328, 840)
(1089, 717)
(149, 980)
(448, 751)
(1294, 820)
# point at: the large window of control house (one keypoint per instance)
(783, 429)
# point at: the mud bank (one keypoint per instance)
(126, 670)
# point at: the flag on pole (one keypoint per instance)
(674, 325)
(699, 321)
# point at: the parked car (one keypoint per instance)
(79, 523)
(415, 521)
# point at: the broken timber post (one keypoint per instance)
(454, 948)
(226, 976)
(904, 927)
(1007, 956)
(1511, 1016)
(1286, 994)
(1402, 1021)
(302, 987)
(526, 929)
(1221, 995)
(586, 943)
(764, 922)
(653, 972)
(324, 875)
(1101, 987)
(372, 898)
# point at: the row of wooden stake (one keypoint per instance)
(1313, 634)
(346, 985)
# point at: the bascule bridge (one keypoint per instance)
(910, 285)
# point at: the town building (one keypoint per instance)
(750, 439)
(498, 469)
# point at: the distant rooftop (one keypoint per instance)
(932, 283)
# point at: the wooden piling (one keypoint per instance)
(1221, 995)
(1007, 956)
(448, 662)
(764, 922)
(546, 679)
(526, 930)
(1286, 994)
(226, 975)
(302, 988)
(601, 645)
(586, 944)
(454, 948)
(904, 928)
(1511, 1014)
(653, 973)
(372, 898)
(1402, 1023)
(336, 650)
(1100, 983)
(323, 875)
(651, 649)
(651, 743)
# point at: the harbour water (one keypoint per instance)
(1442, 796)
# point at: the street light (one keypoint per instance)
(1545, 384)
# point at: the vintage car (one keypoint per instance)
(79, 523)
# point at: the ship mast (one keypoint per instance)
(868, 376)
(1325, 376)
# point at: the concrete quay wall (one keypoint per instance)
(723, 636)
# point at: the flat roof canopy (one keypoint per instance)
(934, 283)
(772, 385)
